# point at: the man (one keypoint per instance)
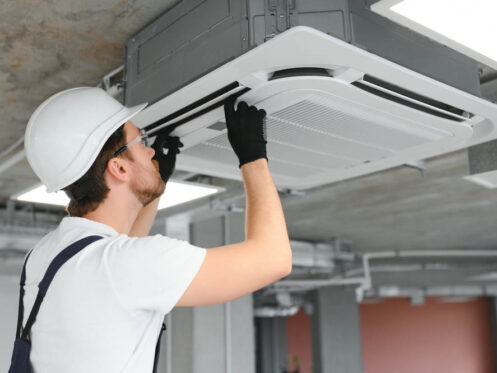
(104, 309)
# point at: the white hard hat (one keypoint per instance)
(67, 131)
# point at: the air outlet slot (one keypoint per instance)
(197, 108)
(411, 99)
(301, 71)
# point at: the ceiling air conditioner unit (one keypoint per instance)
(335, 111)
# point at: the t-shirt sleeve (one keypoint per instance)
(151, 272)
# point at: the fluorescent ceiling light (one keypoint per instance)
(466, 26)
(484, 179)
(181, 192)
(490, 276)
(39, 195)
(177, 192)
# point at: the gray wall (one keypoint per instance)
(217, 338)
(202, 340)
(336, 331)
(272, 345)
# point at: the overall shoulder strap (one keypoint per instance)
(57, 262)
(20, 310)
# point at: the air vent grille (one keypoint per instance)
(311, 138)
(219, 151)
(319, 117)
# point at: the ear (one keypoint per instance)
(117, 170)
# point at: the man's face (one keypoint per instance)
(146, 183)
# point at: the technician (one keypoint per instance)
(105, 306)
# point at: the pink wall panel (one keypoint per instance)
(434, 337)
(298, 329)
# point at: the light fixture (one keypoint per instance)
(466, 26)
(484, 179)
(177, 192)
(39, 194)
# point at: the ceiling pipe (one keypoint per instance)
(12, 147)
(390, 268)
(13, 160)
(366, 258)
(433, 291)
(276, 311)
(365, 283)
(319, 283)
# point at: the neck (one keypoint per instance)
(118, 212)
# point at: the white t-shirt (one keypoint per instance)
(104, 309)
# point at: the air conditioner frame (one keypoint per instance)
(305, 48)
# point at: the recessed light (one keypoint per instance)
(466, 26)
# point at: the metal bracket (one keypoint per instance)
(417, 165)
(109, 79)
(279, 16)
(292, 192)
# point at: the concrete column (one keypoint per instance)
(335, 326)
(492, 304)
(217, 338)
(272, 346)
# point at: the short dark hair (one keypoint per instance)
(95, 188)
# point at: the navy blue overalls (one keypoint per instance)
(22, 345)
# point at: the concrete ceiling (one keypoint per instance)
(401, 209)
(53, 45)
(47, 46)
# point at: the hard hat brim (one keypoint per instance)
(91, 148)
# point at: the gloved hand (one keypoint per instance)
(245, 131)
(166, 161)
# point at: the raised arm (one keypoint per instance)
(231, 271)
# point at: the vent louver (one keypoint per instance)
(413, 100)
(302, 71)
(198, 108)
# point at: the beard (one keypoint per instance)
(145, 191)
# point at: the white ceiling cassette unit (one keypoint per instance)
(334, 112)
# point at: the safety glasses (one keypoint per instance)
(143, 138)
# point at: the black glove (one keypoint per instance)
(166, 161)
(245, 131)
